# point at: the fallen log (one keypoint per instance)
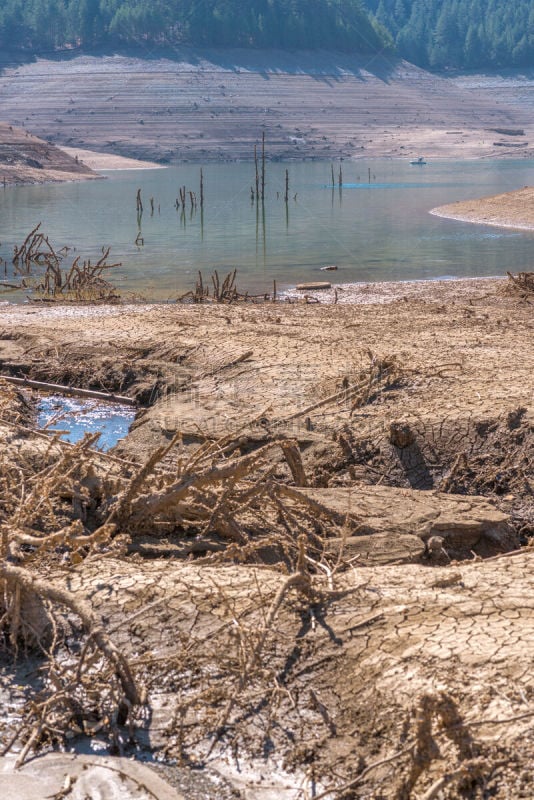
(69, 390)
(315, 286)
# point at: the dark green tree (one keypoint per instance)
(459, 33)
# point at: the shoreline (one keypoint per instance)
(107, 162)
(381, 292)
(510, 225)
(512, 210)
(355, 294)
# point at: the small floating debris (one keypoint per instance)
(419, 162)
(329, 268)
(315, 286)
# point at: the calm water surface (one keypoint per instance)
(373, 231)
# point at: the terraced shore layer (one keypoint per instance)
(213, 105)
(24, 158)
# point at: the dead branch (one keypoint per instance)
(24, 579)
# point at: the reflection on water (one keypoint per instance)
(75, 417)
(383, 234)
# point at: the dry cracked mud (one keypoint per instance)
(323, 587)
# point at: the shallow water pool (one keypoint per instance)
(76, 416)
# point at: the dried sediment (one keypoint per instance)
(343, 675)
(508, 210)
(278, 450)
(209, 105)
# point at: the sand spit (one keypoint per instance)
(107, 162)
(509, 210)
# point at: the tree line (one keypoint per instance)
(39, 25)
(465, 34)
(432, 33)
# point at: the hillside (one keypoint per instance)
(26, 159)
(212, 105)
(435, 34)
(466, 34)
(62, 24)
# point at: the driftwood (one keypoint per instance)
(219, 503)
(35, 250)
(520, 284)
(381, 371)
(299, 580)
(8, 285)
(170, 497)
(24, 579)
(81, 282)
(314, 286)
(69, 390)
(224, 291)
(101, 675)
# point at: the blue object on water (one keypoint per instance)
(76, 417)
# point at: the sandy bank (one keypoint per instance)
(508, 210)
(107, 162)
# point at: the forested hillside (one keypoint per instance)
(460, 33)
(38, 25)
(431, 33)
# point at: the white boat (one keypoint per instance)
(420, 162)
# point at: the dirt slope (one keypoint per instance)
(213, 105)
(24, 158)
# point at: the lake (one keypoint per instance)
(373, 231)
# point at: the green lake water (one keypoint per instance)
(372, 231)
